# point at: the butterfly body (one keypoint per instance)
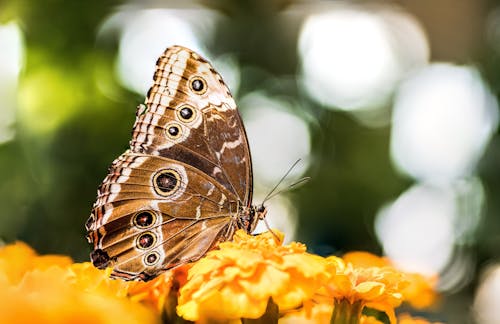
(185, 184)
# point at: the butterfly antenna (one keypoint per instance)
(280, 181)
(293, 185)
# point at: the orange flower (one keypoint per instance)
(249, 277)
(375, 287)
(152, 293)
(361, 259)
(363, 280)
(156, 292)
(238, 280)
(311, 312)
(18, 258)
(369, 320)
(419, 292)
(49, 289)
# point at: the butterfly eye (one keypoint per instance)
(186, 113)
(173, 131)
(151, 258)
(198, 85)
(166, 182)
(145, 240)
(144, 219)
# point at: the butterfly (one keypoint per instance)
(185, 183)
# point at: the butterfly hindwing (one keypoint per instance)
(154, 205)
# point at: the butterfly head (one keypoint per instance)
(252, 216)
(260, 211)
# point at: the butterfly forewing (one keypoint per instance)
(183, 184)
(190, 116)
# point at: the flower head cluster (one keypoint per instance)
(365, 280)
(245, 277)
(244, 274)
(250, 277)
(416, 289)
(52, 289)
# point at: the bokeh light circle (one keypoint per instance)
(270, 126)
(146, 33)
(416, 231)
(140, 45)
(485, 305)
(443, 117)
(352, 58)
(11, 61)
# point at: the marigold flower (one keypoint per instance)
(238, 280)
(375, 287)
(18, 258)
(363, 280)
(50, 289)
(365, 260)
(420, 290)
(311, 312)
(152, 293)
(369, 320)
(156, 292)
(250, 277)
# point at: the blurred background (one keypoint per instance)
(392, 107)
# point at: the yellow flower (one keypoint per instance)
(239, 279)
(50, 289)
(365, 260)
(419, 292)
(18, 258)
(363, 280)
(369, 320)
(375, 287)
(312, 312)
(249, 277)
(153, 292)
(160, 293)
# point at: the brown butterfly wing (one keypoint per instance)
(212, 138)
(180, 188)
(153, 213)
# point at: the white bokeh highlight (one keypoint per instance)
(11, 62)
(443, 117)
(12, 53)
(352, 57)
(424, 229)
(417, 230)
(277, 138)
(146, 33)
(485, 307)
